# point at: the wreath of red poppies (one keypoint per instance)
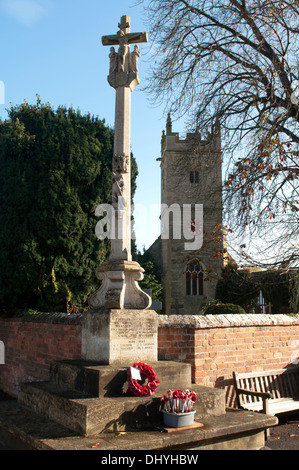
(152, 381)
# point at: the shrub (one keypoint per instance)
(215, 307)
(237, 287)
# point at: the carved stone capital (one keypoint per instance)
(123, 79)
(120, 287)
(120, 163)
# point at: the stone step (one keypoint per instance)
(87, 415)
(111, 381)
(91, 398)
(239, 430)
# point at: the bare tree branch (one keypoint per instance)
(237, 61)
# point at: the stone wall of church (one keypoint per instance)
(190, 174)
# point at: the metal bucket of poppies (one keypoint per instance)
(178, 408)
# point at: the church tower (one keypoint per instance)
(191, 175)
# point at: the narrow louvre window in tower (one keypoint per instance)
(194, 177)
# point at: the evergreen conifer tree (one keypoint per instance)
(55, 168)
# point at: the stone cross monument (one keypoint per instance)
(120, 275)
(120, 328)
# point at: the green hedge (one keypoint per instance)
(215, 307)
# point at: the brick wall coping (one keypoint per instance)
(52, 318)
(177, 321)
(226, 320)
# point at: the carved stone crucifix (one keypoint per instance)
(123, 68)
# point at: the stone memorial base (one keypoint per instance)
(88, 400)
(112, 336)
(56, 415)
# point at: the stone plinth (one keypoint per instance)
(89, 398)
(111, 381)
(120, 336)
(21, 429)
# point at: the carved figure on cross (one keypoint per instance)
(124, 35)
(122, 63)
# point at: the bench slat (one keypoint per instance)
(266, 383)
(293, 384)
(255, 388)
(281, 386)
(263, 373)
(248, 387)
(277, 392)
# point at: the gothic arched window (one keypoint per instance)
(194, 278)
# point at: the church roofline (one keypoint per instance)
(172, 142)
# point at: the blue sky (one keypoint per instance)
(53, 48)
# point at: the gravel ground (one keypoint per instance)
(285, 436)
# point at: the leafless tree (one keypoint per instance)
(236, 62)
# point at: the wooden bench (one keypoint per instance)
(271, 392)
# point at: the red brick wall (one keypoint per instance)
(214, 345)
(30, 346)
(218, 345)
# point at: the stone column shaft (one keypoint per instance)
(121, 244)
